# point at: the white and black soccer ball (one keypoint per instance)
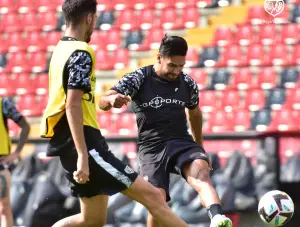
(276, 208)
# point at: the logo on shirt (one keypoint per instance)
(157, 102)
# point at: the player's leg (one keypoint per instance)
(151, 221)
(93, 203)
(197, 175)
(151, 197)
(152, 166)
(93, 213)
(5, 208)
(194, 165)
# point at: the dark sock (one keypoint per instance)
(213, 210)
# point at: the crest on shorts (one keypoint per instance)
(129, 170)
(274, 7)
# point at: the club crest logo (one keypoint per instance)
(274, 7)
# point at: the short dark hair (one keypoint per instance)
(75, 10)
(173, 46)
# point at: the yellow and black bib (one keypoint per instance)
(57, 94)
(4, 136)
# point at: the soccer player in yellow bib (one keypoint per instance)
(9, 111)
(70, 121)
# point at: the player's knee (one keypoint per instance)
(203, 172)
(154, 199)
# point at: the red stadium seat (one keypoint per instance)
(106, 123)
(18, 62)
(103, 5)
(242, 79)
(52, 40)
(123, 4)
(98, 40)
(185, 3)
(38, 62)
(7, 87)
(230, 100)
(104, 61)
(200, 77)
(279, 55)
(141, 4)
(28, 106)
(23, 84)
(35, 42)
(256, 56)
(7, 6)
(255, 100)
(245, 35)
(145, 19)
(256, 14)
(26, 6)
(293, 99)
(233, 56)
(290, 33)
(41, 84)
(154, 38)
(13, 128)
(127, 20)
(31, 22)
(192, 58)
(266, 78)
(267, 34)
(208, 101)
(11, 23)
(113, 39)
(121, 58)
(49, 20)
(42, 102)
(223, 36)
(283, 120)
(288, 147)
(161, 4)
(241, 120)
(46, 5)
(3, 45)
(220, 121)
(191, 17)
(59, 2)
(168, 19)
(296, 55)
(16, 42)
(126, 124)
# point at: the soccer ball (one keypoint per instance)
(276, 208)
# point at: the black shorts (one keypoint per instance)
(108, 175)
(156, 164)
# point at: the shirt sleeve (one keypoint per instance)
(193, 101)
(130, 83)
(80, 68)
(10, 111)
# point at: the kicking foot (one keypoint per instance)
(220, 221)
